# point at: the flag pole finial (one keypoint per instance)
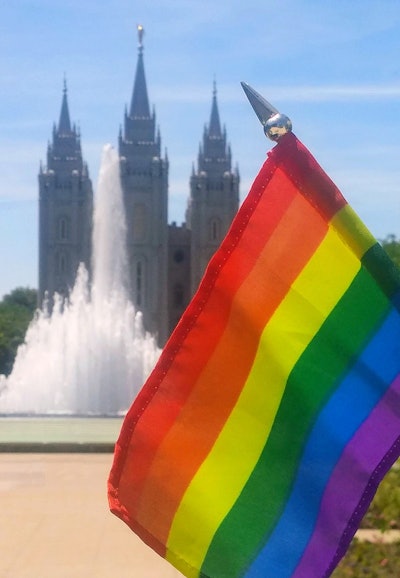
(275, 123)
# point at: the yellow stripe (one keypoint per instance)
(353, 231)
(220, 479)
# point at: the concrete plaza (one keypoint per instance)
(55, 521)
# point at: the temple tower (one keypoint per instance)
(144, 179)
(214, 195)
(166, 261)
(65, 209)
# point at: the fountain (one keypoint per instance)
(90, 355)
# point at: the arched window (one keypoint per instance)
(215, 229)
(139, 283)
(62, 263)
(139, 222)
(63, 229)
(179, 256)
(178, 295)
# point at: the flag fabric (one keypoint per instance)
(257, 443)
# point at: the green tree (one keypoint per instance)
(16, 312)
(392, 247)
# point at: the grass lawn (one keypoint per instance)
(370, 560)
(378, 560)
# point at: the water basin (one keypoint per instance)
(58, 433)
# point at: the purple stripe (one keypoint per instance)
(379, 435)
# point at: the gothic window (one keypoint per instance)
(62, 265)
(179, 256)
(178, 295)
(139, 222)
(63, 229)
(215, 230)
(139, 283)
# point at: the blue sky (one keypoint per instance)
(333, 66)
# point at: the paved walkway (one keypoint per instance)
(55, 522)
(378, 537)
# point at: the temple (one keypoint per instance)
(166, 260)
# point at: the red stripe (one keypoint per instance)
(308, 176)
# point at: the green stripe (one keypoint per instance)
(352, 231)
(341, 337)
(385, 272)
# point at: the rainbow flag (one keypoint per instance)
(257, 443)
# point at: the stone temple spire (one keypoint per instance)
(214, 129)
(64, 125)
(140, 103)
(214, 155)
(65, 210)
(144, 180)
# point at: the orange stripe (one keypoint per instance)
(219, 385)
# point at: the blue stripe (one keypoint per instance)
(352, 402)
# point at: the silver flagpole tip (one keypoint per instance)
(275, 124)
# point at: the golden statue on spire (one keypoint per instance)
(140, 31)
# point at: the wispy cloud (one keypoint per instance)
(289, 93)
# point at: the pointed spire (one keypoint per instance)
(64, 125)
(140, 102)
(215, 125)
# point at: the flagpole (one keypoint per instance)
(275, 123)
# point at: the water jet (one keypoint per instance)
(89, 355)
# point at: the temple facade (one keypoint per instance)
(166, 260)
